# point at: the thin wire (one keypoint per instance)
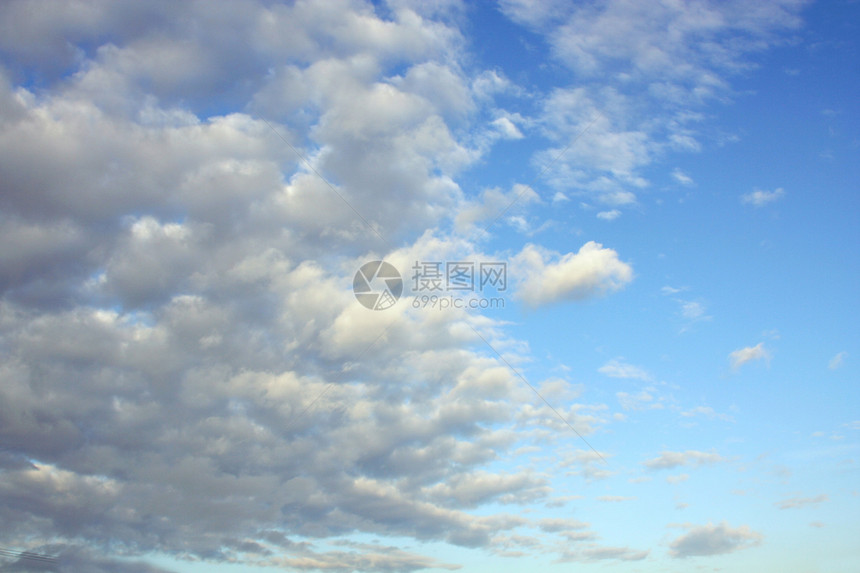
(28, 555)
(544, 170)
(557, 413)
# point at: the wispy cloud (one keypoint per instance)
(682, 177)
(618, 368)
(609, 215)
(639, 401)
(739, 357)
(693, 311)
(669, 460)
(595, 553)
(837, 361)
(615, 498)
(676, 72)
(798, 502)
(707, 412)
(759, 198)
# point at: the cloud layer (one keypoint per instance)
(186, 192)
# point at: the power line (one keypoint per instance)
(28, 556)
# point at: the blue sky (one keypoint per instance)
(667, 382)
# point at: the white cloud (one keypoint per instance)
(614, 498)
(759, 198)
(618, 368)
(682, 177)
(707, 412)
(743, 355)
(640, 401)
(798, 502)
(507, 128)
(534, 13)
(609, 215)
(837, 360)
(643, 71)
(706, 540)
(670, 460)
(678, 478)
(494, 204)
(692, 310)
(548, 278)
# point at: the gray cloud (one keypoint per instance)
(705, 540)
(188, 372)
(593, 553)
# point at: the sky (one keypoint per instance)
(429, 286)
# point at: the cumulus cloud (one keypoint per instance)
(759, 198)
(185, 202)
(670, 460)
(739, 357)
(548, 277)
(706, 540)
